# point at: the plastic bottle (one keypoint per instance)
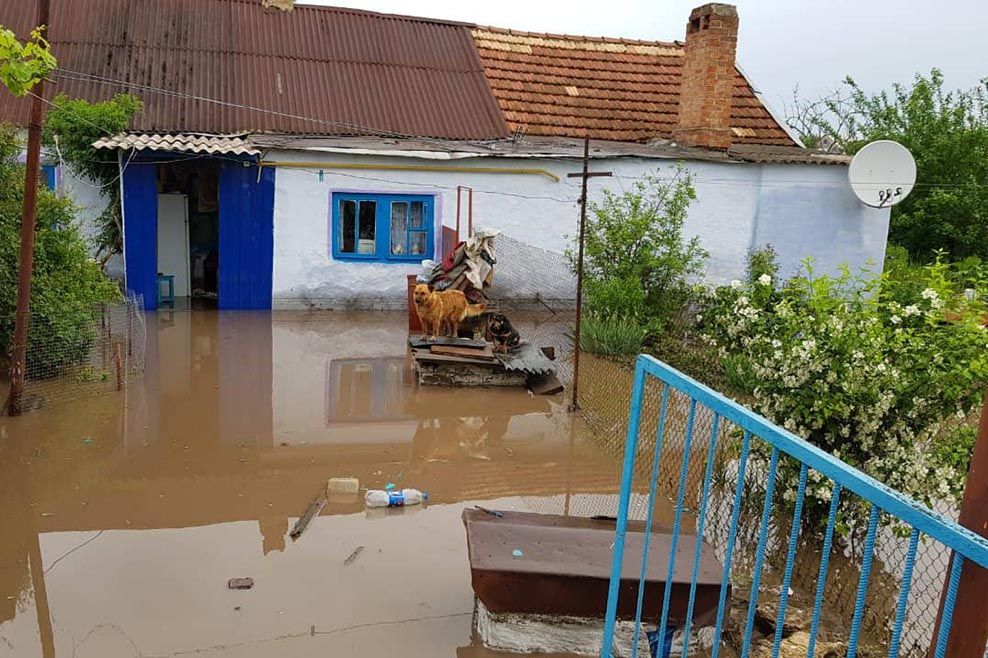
(378, 498)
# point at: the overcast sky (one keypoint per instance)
(814, 43)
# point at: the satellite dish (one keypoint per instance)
(882, 173)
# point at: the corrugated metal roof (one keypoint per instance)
(183, 142)
(527, 358)
(615, 89)
(315, 70)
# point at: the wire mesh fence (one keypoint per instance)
(605, 387)
(84, 353)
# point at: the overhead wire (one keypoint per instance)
(287, 140)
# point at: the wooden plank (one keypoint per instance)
(416, 342)
(469, 352)
(424, 356)
(311, 512)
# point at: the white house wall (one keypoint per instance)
(802, 210)
(809, 210)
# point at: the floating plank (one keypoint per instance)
(311, 512)
(484, 353)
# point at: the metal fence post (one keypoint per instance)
(969, 626)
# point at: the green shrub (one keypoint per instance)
(637, 262)
(762, 261)
(870, 377)
(739, 374)
(955, 447)
(72, 125)
(66, 287)
(611, 336)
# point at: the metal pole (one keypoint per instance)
(969, 627)
(579, 274)
(470, 212)
(18, 362)
(459, 190)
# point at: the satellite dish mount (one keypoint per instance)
(882, 173)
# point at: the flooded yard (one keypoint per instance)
(123, 516)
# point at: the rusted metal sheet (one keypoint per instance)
(321, 70)
(564, 567)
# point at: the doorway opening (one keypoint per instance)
(188, 233)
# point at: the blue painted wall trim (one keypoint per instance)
(140, 218)
(246, 236)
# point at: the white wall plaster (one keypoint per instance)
(802, 210)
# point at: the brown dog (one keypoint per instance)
(442, 310)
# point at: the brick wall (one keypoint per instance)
(708, 77)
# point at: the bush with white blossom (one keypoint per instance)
(872, 378)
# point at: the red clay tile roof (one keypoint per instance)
(617, 89)
(321, 70)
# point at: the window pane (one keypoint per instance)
(418, 214)
(419, 242)
(399, 227)
(368, 213)
(348, 222)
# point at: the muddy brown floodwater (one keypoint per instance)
(122, 517)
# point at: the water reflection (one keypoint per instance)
(141, 505)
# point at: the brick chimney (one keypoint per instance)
(708, 77)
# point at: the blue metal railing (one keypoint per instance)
(844, 481)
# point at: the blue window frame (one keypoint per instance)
(383, 227)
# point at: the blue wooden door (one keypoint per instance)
(246, 230)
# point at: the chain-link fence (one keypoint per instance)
(83, 353)
(538, 291)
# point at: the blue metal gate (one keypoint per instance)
(757, 441)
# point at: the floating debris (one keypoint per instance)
(490, 511)
(310, 513)
(240, 583)
(353, 556)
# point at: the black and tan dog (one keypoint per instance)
(504, 336)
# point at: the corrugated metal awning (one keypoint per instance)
(182, 143)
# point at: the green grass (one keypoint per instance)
(611, 337)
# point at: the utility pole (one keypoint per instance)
(18, 362)
(585, 175)
(969, 627)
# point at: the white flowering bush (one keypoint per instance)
(872, 378)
